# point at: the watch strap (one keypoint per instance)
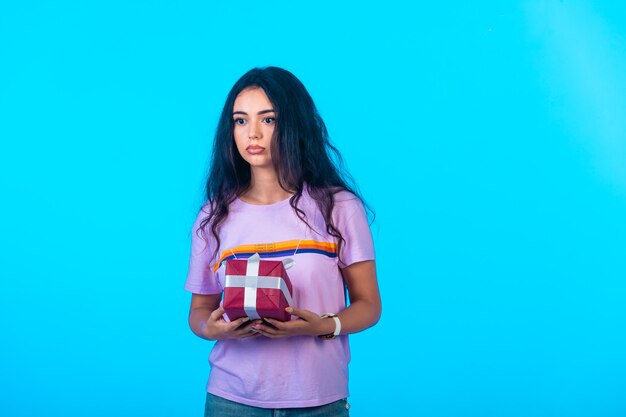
(337, 327)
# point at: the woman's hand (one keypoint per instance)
(308, 324)
(216, 328)
(363, 312)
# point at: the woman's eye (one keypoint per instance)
(269, 120)
(239, 121)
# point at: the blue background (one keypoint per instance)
(490, 139)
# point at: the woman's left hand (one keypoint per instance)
(307, 324)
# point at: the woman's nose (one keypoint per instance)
(254, 131)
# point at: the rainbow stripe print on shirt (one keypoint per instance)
(278, 249)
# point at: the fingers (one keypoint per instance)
(250, 334)
(220, 329)
(274, 324)
(303, 314)
(269, 332)
(237, 323)
(246, 329)
(275, 328)
(272, 328)
(265, 327)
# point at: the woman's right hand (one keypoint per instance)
(216, 328)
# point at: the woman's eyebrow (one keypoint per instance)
(261, 112)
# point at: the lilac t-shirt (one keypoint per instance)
(300, 371)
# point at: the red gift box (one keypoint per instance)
(257, 288)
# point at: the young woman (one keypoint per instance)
(275, 189)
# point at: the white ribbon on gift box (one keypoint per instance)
(251, 281)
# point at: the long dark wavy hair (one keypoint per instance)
(300, 148)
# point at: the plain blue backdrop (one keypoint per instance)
(490, 138)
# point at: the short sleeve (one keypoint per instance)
(351, 220)
(200, 276)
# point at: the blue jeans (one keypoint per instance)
(220, 407)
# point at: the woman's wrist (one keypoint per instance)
(332, 326)
(328, 326)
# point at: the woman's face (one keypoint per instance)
(254, 121)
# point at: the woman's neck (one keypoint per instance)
(264, 188)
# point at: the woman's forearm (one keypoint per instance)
(201, 308)
(197, 321)
(360, 315)
(365, 304)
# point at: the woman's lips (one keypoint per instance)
(255, 149)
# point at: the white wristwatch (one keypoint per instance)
(337, 327)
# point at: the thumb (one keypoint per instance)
(216, 314)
